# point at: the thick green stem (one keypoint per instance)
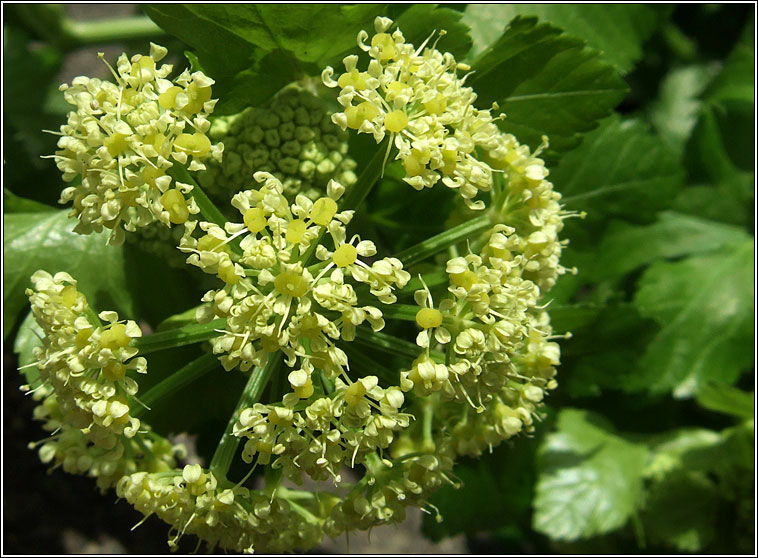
(52, 24)
(227, 446)
(442, 241)
(405, 312)
(82, 33)
(207, 208)
(176, 381)
(186, 335)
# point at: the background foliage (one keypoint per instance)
(648, 444)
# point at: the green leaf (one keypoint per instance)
(728, 400)
(419, 20)
(625, 247)
(590, 479)
(718, 203)
(46, 241)
(547, 83)
(497, 491)
(28, 338)
(705, 307)
(16, 204)
(723, 143)
(621, 170)
(602, 355)
(675, 111)
(681, 512)
(736, 83)
(692, 449)
(310, 33)
(619, 30)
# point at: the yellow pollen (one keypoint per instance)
(115, 337)
(323, 211)
(396, 121)
(197, 144)
(227, 274)
(255, 219)
(385, 44)
(167, 99)
(295, 231)
(291, 283)
(197, 97)
(345, 255)
(355, 393)
(173, 201)
(355, 78)
(357, 115)
(429, 318)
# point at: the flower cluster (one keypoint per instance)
(416, 96)
(85, 392)
(122, 139)
(293, 295)
(530, 205)
(293, 139)
(271, 300)
(234, 518)
(355, 420)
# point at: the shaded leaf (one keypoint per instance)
(547, 83)
(497, 491)
(680, 512)
(728, 400)
(603, 354)
(620, 170)
(590, 479)
(16, 204)
(419, 20)
(618, 30)
(705, 307)
(46, 241)
(625, 247)
(312, 33)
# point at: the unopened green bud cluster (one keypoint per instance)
(293, 139)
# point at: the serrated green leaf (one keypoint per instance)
(590, 479)
(618, 30)
(46, 241)
(626, 247)
(705, 307)
(620, 170)
(310, 33)
(547, 83)
(728, 400)
(419, 20)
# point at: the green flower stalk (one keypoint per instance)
(340, 391)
